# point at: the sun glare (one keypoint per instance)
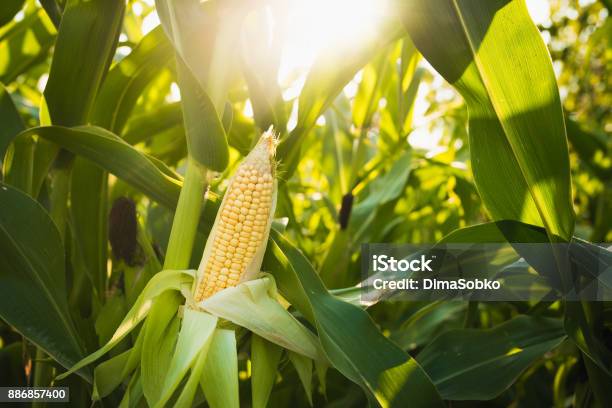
(316, 23)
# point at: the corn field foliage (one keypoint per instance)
(452, 121)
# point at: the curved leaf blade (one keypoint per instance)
(32, 283)
(25, 44)
(516, 123)
(128, 78)
(113, 154)
(330, 73)
(470, 364)
(350, 339)
(219, 379)
(12, 123)
(88, 32)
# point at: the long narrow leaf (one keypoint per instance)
(88, 32)
(517, 134)
(32, 280)
(348, 335)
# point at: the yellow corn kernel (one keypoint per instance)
(234, 250)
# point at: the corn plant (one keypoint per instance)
(180, 227)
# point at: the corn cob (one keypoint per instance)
(235, 248)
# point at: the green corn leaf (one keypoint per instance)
(16, 163)
(109, 317)
(133, 396)
(207, 55)
(160, 335)
(88, 31)
(321, 369)
(468, 364)
(194, 339)
(126, 81)
(578, 326)
(106, 375)
(260, 63)
(111, 373)
(9, 9)
(190, 387)
(144, 126)
(401, 92)
(32, 278)
(254, 305)
(45, 151)
(18, 168)
(89, 212)
(206, 40)
(161, 282)
(219, 379)
(108, 151)
(25, 44)
(427, 323)
(516, 130)
(264, 368)
(12, 124)
(591, 148)
(111, 153)
(330, 73)
(303, 366)
(206, 139)
(576, 322)
(382, 190)
(99, 22)
(351, 341)
(369, 92)
(113, 105)
(53, 11)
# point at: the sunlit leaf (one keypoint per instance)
(162, 282)
(329, 75)
(25, 44)
(99, 21)
(253, 305)
(9, 9)
(516, 124)
(195, 336)
(351, 341)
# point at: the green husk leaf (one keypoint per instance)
(253, 305)
(163, 281)
(321, 369)
(111, 373)
(187, 395)
(219, 379)
(160, 333)
(303, 366)
(133, 394)
(105, 375)
(195, 337)
(264, 359)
